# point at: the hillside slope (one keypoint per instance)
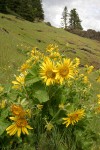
(19, 36)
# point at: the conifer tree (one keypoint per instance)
(28, 9)
(3, 6)
(65, 18)
(74, 20)
(37, 9)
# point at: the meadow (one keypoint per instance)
(50, 88)
(20, 36)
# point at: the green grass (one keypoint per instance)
(16, 35)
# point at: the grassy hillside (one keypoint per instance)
(19, 36)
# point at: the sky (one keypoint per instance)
(88, 10)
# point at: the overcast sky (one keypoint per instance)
(88, 10)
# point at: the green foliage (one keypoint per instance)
(46, 107)
(3, 5)
(27, 9)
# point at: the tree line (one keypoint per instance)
(71, 20)
(27, 9)
(72, 23)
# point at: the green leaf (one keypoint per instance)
(32, 77)
(4, 113)
(39, 92)
(33, 80)
(3, 125)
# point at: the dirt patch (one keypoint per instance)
(87, 50)
(4, 30)
(39, 30)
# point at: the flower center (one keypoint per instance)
(64, 71)
(74, 117)
(50, 74)
(21, 123)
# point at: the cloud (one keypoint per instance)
(89, 12)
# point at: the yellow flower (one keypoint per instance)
(64, 70)
(74, 117)
(98, 79)
(85, 79)
(98, 98)
(34, 51)
(39, 106)
(52, 47)
(1, 89)
(17, 87)
(28, 113)
(76, 62)
(47, 72)
(89, 69)
(17, 110)
(19, 126)
(61, 106)
(24, 67)
(3, 104)
(49, 126)
(28, 61)
(20, 81)
(54, 55)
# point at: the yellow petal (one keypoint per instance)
(14, 130)
(15, 82)
(29, 127)
(10, 127)
(12, 118)
(19, 132)
(25, 130)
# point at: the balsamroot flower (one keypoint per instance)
(89, 69)
(19, 126)
(17, 110)
(47, 72)
(24, 67)
(20, 81)
(74, 117)
(52, 47)
(64, 70)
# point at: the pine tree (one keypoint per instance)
(74, 20)
(13, 5)
(27, 9)
(3, 6)
(37, 9)
(65, 18)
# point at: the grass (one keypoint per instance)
(19, 36)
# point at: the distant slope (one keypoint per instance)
(19, 36)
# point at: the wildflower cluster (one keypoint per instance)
(57, 91)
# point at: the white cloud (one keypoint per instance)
(88, 10)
